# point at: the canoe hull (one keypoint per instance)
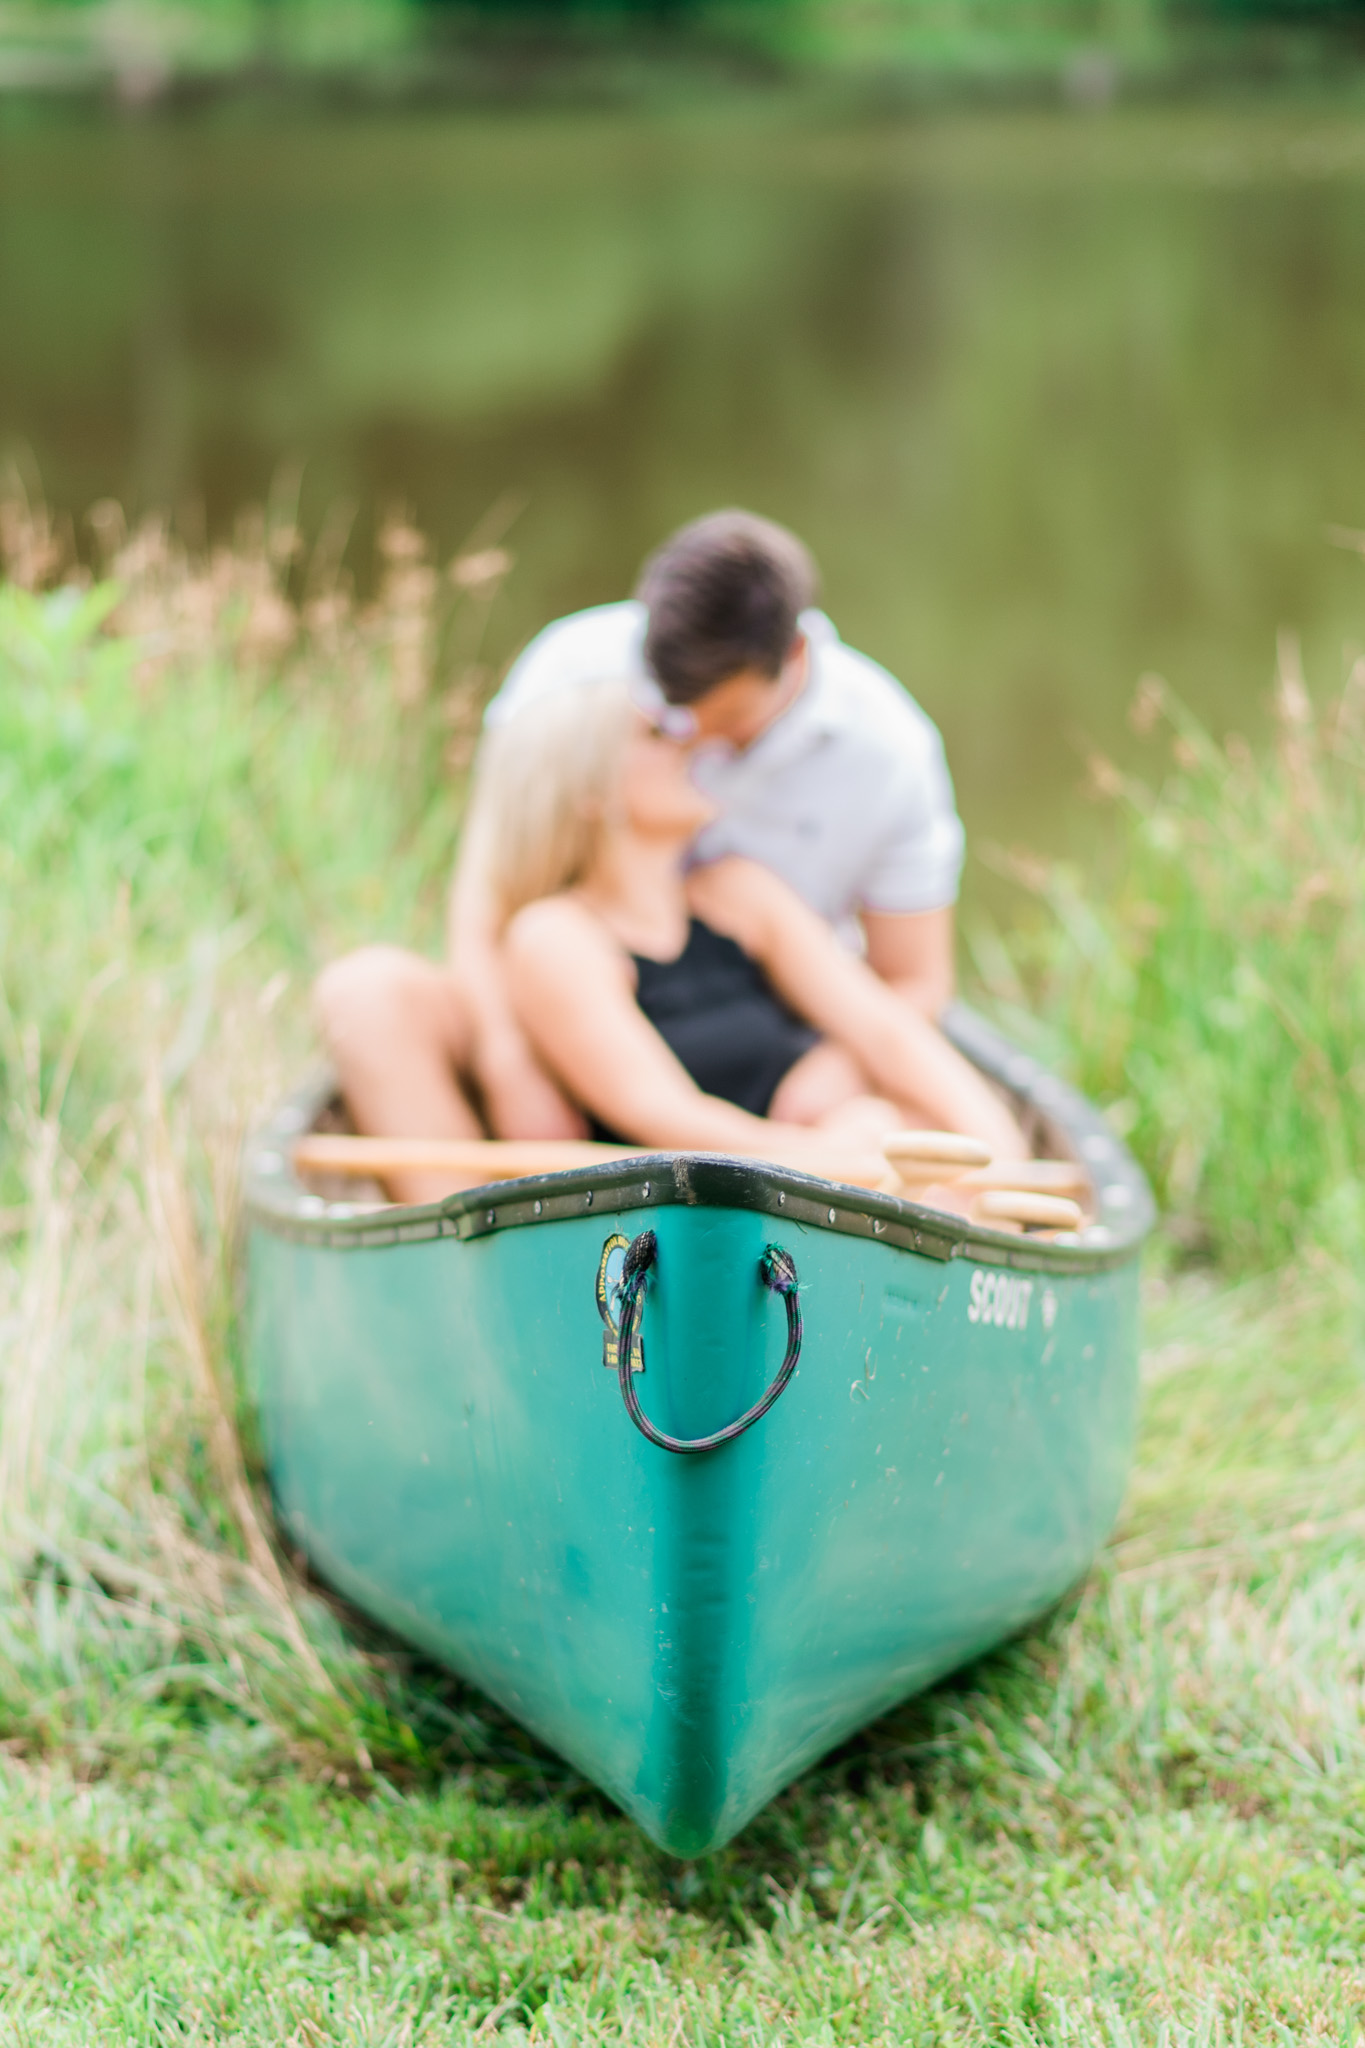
(446, 1446)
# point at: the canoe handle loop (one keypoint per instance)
(777, 1270)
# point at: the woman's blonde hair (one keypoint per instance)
(544, 785)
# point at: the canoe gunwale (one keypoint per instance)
(277, 1201)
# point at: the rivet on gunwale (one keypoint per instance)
(539, 1207)
(490, 1215)
(831, 1215)
(587, 1199)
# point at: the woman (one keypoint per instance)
(699, 1008)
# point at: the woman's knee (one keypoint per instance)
(370, 986)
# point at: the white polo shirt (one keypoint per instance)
(847, 795)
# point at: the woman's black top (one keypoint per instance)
(717, 1009)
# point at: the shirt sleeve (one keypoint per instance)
(917, 863)
(534, 670)
(584, 647)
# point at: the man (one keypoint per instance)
(824, 770)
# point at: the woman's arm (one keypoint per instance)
(572, 990)
(519, 1098)
(906, 1057)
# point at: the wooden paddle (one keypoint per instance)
(1039, 1193)
(1018, 1205)
(486, 1159)
(942, 1159)
(1037, 1176)
(474, 1162)
(933, 1157)
(919, 1159)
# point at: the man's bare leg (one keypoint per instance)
(398, 1030)
(820, 1084)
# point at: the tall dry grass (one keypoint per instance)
(1205, 979)
(215, 769)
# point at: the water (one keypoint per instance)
(1056, 398)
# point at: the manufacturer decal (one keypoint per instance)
(999, 1298)
(610, 1272)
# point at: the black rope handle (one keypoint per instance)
(777, 1269)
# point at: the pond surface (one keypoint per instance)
(1056, 398)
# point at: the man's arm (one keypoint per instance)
(912, 952)
(904, 1056)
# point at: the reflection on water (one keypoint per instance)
(1055, 398)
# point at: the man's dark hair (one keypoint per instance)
(724, 594)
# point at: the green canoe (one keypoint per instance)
(447, 1439)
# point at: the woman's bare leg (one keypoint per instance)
(399, 1033)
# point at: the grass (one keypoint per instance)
(1207, 981)
(228, 1815)
(1141, 1823)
